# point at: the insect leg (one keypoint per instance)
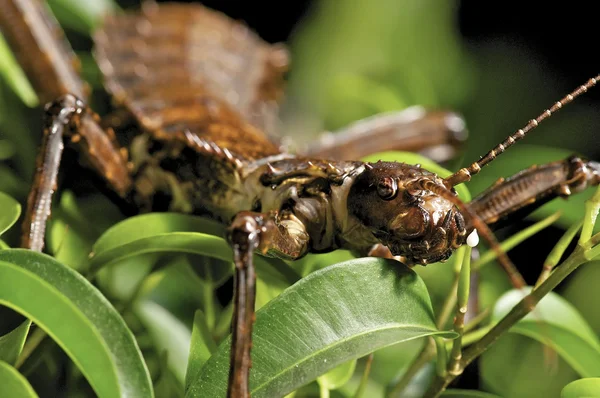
(435, 134)
(247, 233)
(68, 117)
(527, 190)
(39, 45)
(52, 68)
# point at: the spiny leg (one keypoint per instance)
(68, 117)
(50, 65)
(435, 134)
(249, 232)
(522, 193)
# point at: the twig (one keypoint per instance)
(580, 255)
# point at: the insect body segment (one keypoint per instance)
(202, 92)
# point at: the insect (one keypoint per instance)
(199, 93)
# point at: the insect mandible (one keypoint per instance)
(203, 137)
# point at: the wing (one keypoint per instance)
(183, 67)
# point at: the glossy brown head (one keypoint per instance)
(417, 224)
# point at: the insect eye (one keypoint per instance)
(387, 189)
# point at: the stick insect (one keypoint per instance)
(199, 92)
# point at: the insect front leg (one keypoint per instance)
(69, 117)
(50, 65)
(438, 135)
(249, 232)
(519, 195)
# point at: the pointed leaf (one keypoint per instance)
(582, 388)
(202, 347)
(11, 344)
(9, 213)
(332, 316)
(557, 323)
(76, 315)
(13, 384)
(14, 76)
(81, 16)
(172, 232)
(169, 334)
(337, 376)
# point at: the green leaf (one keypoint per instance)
(332, 316)
(589, 387)
(169, 233)
(11, 344)
(518, 366)
(14, 75)
(152, 224)
(169, 334)
(11, 210)
(337, 376)
(76, 224)
(581, 290)
(13, 384)
(76, 315)
(202, 347)
(458, 393)
(557, 323)
(82, 17)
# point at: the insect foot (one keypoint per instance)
(62, 110)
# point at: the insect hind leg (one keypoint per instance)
(438, 135)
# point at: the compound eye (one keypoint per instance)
(387, 188)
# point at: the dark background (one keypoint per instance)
(564, 35)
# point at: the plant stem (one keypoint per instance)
(523, 308)
(442, 357)
(558, 251)
(365, 377)
(582, 253)
(426, 355)
(37, 336)
(323, 391)
(449, 304)
(592, 206)
(461, 310)
(516, 239)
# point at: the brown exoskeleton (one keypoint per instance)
(199, 93)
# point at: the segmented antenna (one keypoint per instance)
(465, 174)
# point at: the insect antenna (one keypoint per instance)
(465, 174)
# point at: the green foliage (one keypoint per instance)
(78, 317)
(129, 307)
(582, 388)
(14, 384)
(327, 300)
(11, 344)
